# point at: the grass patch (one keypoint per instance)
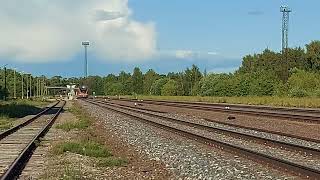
(83, 147)
(304, 102)
(68, 126)
(11, 110)
(82, 123)
(5, 123)
(20, 108)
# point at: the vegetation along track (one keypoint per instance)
(292, 114)
(18, 143)
(291, 157)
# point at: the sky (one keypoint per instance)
(44, 37)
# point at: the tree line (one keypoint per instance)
(293, 73)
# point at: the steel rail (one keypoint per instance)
(288, 166)
(16, 167)
(255, 112)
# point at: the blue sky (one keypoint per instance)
(162, 35)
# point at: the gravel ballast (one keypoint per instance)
(184, 157)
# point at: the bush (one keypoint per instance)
(296, 92)
(317, 93)
(307, 81)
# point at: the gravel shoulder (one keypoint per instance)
(185, 158)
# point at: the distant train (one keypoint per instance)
(82, 92)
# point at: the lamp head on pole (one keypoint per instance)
(85, 43)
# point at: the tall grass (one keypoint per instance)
(5, 123)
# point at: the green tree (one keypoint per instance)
(125, 79)
(313, 56)
(149, 78)
(170, 88)
(157, 86)
(137, 81)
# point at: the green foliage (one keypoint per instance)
(296, 92)
(307, 81)
(149, 78)
(84, 147)
(157, 86)
(19, 109)
(5, 123)
(170, 88)
(82, 123)
(137, 81)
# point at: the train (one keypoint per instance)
(82, 92)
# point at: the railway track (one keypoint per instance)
(237, 126)
(303, 161)
(292, 114)
(18, 143)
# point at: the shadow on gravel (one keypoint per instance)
(15, 110)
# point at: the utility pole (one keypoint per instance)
(5, 82)
(30, 80)
(27, 86)
(14, 86)
(285, 39)
(85, 44)
(37, 87)
(22, 93)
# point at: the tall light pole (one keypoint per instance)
(85, 44)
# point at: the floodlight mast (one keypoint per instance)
(285, 26)
(85, 44)
(285, 40)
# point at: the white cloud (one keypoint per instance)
(212, 53)
(190, 54)
(185, 54)
(47, 30)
